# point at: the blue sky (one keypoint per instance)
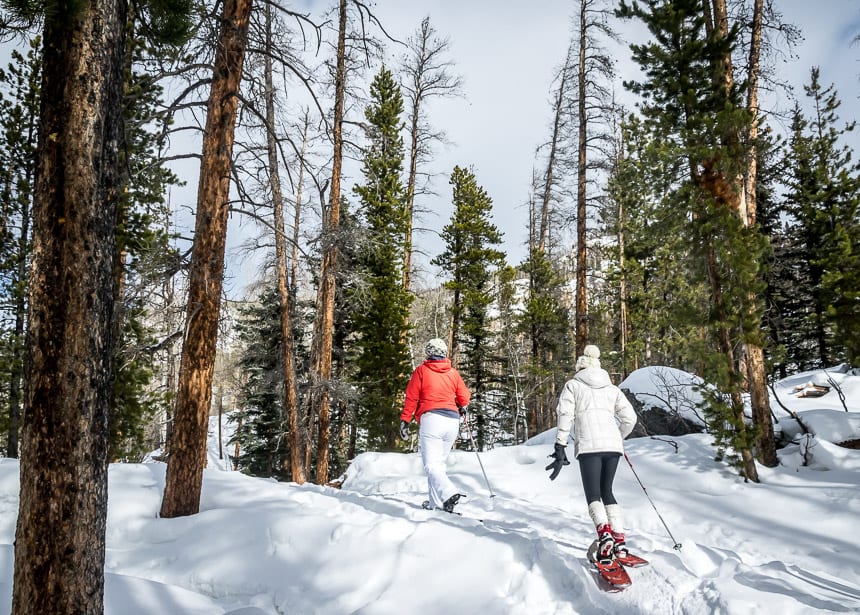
(508, 52)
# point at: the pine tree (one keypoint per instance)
(545, 323)
(471, 260)
(824, 200)
(383, 361)
(787, 293)
(514, 426)
(690, 98)
(19, 109)
(143, 249)
(662, 298)
(263, 449)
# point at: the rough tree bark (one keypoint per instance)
(60, 536)
(730, 191)
(756, 369)
(319, 395)
(206, 275)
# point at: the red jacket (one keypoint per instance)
(434, 385)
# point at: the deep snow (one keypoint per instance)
(787, 545)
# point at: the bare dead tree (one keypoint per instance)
(428, 75)
(319, 395)
(593, 107)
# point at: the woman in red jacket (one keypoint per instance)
(434, 396)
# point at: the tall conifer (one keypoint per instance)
(691, 99)
(471, 260)
(383, 361)
(824, 199)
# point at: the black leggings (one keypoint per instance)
(598, 472)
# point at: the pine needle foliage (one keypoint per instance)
(824, 202)
(471, 261)
(688, 106)
(383, 360)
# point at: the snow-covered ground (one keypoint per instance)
(788, 545)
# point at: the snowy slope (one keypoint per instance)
(787, 545)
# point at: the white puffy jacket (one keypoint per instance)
(590, 403)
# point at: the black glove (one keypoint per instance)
(559, 460)
(404, 430)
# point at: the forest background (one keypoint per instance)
(693, 212)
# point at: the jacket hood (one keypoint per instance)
(595, 377)
(438, 365)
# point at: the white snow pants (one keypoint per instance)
(436, 436)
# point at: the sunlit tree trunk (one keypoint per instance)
(756, 369)
(206, 274)
(319, 397)
(731, 191)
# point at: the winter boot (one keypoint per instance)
(605, 543)
(620, 545)
(449, 504)
(613, 513)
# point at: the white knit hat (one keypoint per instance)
(590, 358)
(436, 348)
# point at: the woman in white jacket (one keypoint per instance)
(601, 417)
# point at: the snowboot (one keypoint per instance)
(449, 504)
(620, 547)
(605, 544)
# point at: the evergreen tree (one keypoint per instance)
(787, 295)
(144, 254)
(19, 110)
(263, 449)
(662, 298)
(691, 100)
(471, 261)
(824, 200)
(383, 361)
(514, 425)
(545, 322)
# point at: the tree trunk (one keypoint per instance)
(206, 274)
(411, 180)
(730, 193)
(319, 396)
(581, 318)
(60, 536)
(622, 289)
(297, 216)
(756, 369)
(290, 411)
(306, 419)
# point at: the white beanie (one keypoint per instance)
(436, 348)
(590, 358)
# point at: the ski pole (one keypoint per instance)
(677, 545)
(475, 448)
